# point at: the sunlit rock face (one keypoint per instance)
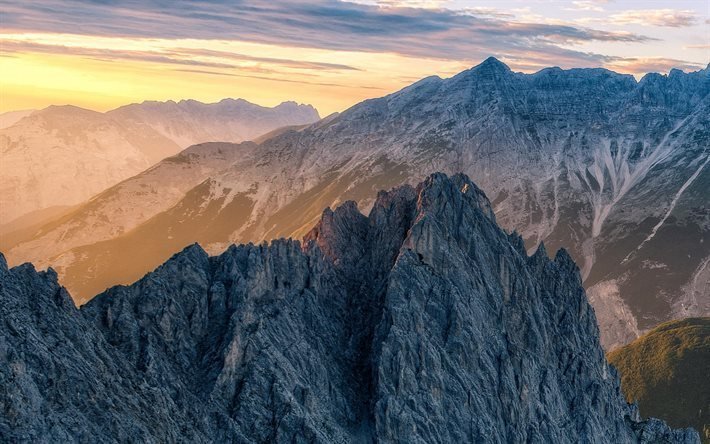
(612, 169)
(62, 155)
(422, 322)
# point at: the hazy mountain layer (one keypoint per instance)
(666, 372)
(611, 168)
(10, 118)
(108, 215)
(422, 322)
(189, 122)
(61, 156)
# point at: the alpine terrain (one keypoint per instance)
(422, 322)
(613, 169)
(58, 157)
(665, 371)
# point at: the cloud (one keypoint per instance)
(173, 56)
(426, 4)
(192, 52)
(277, 79)
(9, 47)
(642, 65)
(589, 5)
(488, 12)
(325, 24)
(672, 18)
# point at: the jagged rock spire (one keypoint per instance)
(422, 322)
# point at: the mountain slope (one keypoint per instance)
(422, 322)
(64, 155)
(125, 206)
(665, 371)
(61, 156)
(612, 169)
(10, 118)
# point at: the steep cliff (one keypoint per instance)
(422, 322)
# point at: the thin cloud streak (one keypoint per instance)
(176, 56)
(588, 5)
(10, 47)
(277, 79)
(650, 64)
(671, 18)
(192, 52)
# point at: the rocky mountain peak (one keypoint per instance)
(438, 191)
(420, 322)
(490, 71)
(66, 115)
(290, 104)
(492, 64)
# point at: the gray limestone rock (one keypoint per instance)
(423, 322)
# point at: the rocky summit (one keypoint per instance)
(422, 322)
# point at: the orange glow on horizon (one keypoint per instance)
(104, 73)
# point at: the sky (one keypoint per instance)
(102, 54)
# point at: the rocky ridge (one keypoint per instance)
(421, 322)
(613, 169)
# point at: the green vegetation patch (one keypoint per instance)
(667, 372)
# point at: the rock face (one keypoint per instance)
(614, 170)
(63, 155)
(422, 322)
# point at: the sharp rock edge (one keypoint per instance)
(422, 322)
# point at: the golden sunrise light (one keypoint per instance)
(103, 73)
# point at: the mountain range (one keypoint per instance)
(611, 168)
(421, 322)
(60, 156)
